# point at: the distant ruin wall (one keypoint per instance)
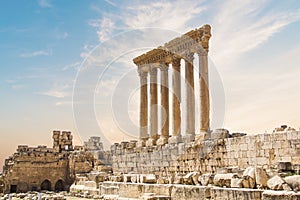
(265, 150)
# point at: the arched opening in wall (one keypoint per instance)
(59, 186)
(46, 185)
(13, 188)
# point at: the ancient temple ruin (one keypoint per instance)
(214, 164)
(186, 47)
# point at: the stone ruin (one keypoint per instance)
(210, 165)
(43, 168)
(95, 147)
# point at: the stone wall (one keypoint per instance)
(42, 168)
(221, 150)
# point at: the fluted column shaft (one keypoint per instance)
(153, 106)
(165, 101)
(190, 95)
(143, 105)
(176, 81)
(204, 92)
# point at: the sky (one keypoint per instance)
(67, 65)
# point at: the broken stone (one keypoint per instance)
(178, 179)
(220, 134)
(261, 177)
(206, 179)
(293, 182)
(249, 178)
(275, 183)
(147, 178)
(191, 178)
(224, 179)
(236, 183)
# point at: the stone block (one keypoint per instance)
(267, 145)
(275, 183)
(235, 194)
(280, 195)
(293, 182)
(206, 179)
(236, 183)
(220, 134)
(261, 177)
(180, 192)
(224, 179)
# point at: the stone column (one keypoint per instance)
(176, 82)
(143, 108)
(153, 107)
(190, 97)
(165, 105)
(204, 92)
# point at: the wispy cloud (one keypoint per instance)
(111, 3)
(244, 26)
(57, 91)
(63, 103)
(44, 3)
(74, 65)
(173, 15)
(105, 27)
(36, 53)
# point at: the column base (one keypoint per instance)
(175, 139)
(188, 138)
(162, 141)
(141, 143)
(151, 142)
(203, 135)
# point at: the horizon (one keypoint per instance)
(46, 59)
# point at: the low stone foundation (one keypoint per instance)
(189, 192)
(137, 190)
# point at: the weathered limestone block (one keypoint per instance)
(109, 188)
(180, 192)
(191, 178)
(147, 178)
(261, 177)
(206, 179)
(280, 195)
(293, 182)
(220, 134)
(224, 179)
(236, 183)
(235, 194)
(249, 178)
(155, 197)
(158, 189)
(130, 190)
(275, 183)
(162, 180)
(178, 179)
(116, 178)
(135, 178)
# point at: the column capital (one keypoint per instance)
(176, 60)
(142, 73)
(201, 51)
(164, 66)
(189, 56)
(153, 70)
